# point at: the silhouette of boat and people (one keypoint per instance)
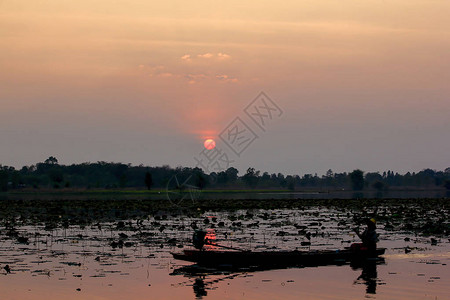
(233, 262)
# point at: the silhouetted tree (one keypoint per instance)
(379, 186)
(281, 180)
(232, 174)
(329, 177)
(148, 180)
(56, 175)
(373, 177)
(51, 161)
(447, 184)
(108, 174)
(290, 182)
(15, 179)
(123, 181)
(200, 180)
(251, 177)
(357, 180)
(3, 180)
(329, 173)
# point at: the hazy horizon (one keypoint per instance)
(361, 85)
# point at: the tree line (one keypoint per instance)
(109, 175)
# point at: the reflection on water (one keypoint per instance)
(368, 276)
(200, 274)
(199, 288)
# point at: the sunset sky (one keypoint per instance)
(361, 83)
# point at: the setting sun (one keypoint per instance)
(209, 144)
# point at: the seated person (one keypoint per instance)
(368, 237)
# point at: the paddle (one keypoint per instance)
(199, 239)
(226, 247)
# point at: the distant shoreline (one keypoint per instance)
(225, 191)
(177, 197)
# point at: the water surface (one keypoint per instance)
(130, 259)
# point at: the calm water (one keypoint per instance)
(130, 259)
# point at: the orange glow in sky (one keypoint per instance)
(91, 80)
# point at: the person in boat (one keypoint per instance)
(199, 239)
(368, 237)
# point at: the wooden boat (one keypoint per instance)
(275, 258)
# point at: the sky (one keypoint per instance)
(354, 84)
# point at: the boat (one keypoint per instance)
(275, 258)
(237, 258)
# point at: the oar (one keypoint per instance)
(226, 247)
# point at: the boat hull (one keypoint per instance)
(274, 258)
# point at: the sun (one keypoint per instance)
(209, 144)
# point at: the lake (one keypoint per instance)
(130, 258)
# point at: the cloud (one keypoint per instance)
(150, 68)
(158, 68)
(171, 73)
(223, 56)
(206, 55)
(165, 75)
(194, 78)
(186, 57)
(156, 71)
(217, 56)
(226, 78)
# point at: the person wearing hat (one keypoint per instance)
(369, 236)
